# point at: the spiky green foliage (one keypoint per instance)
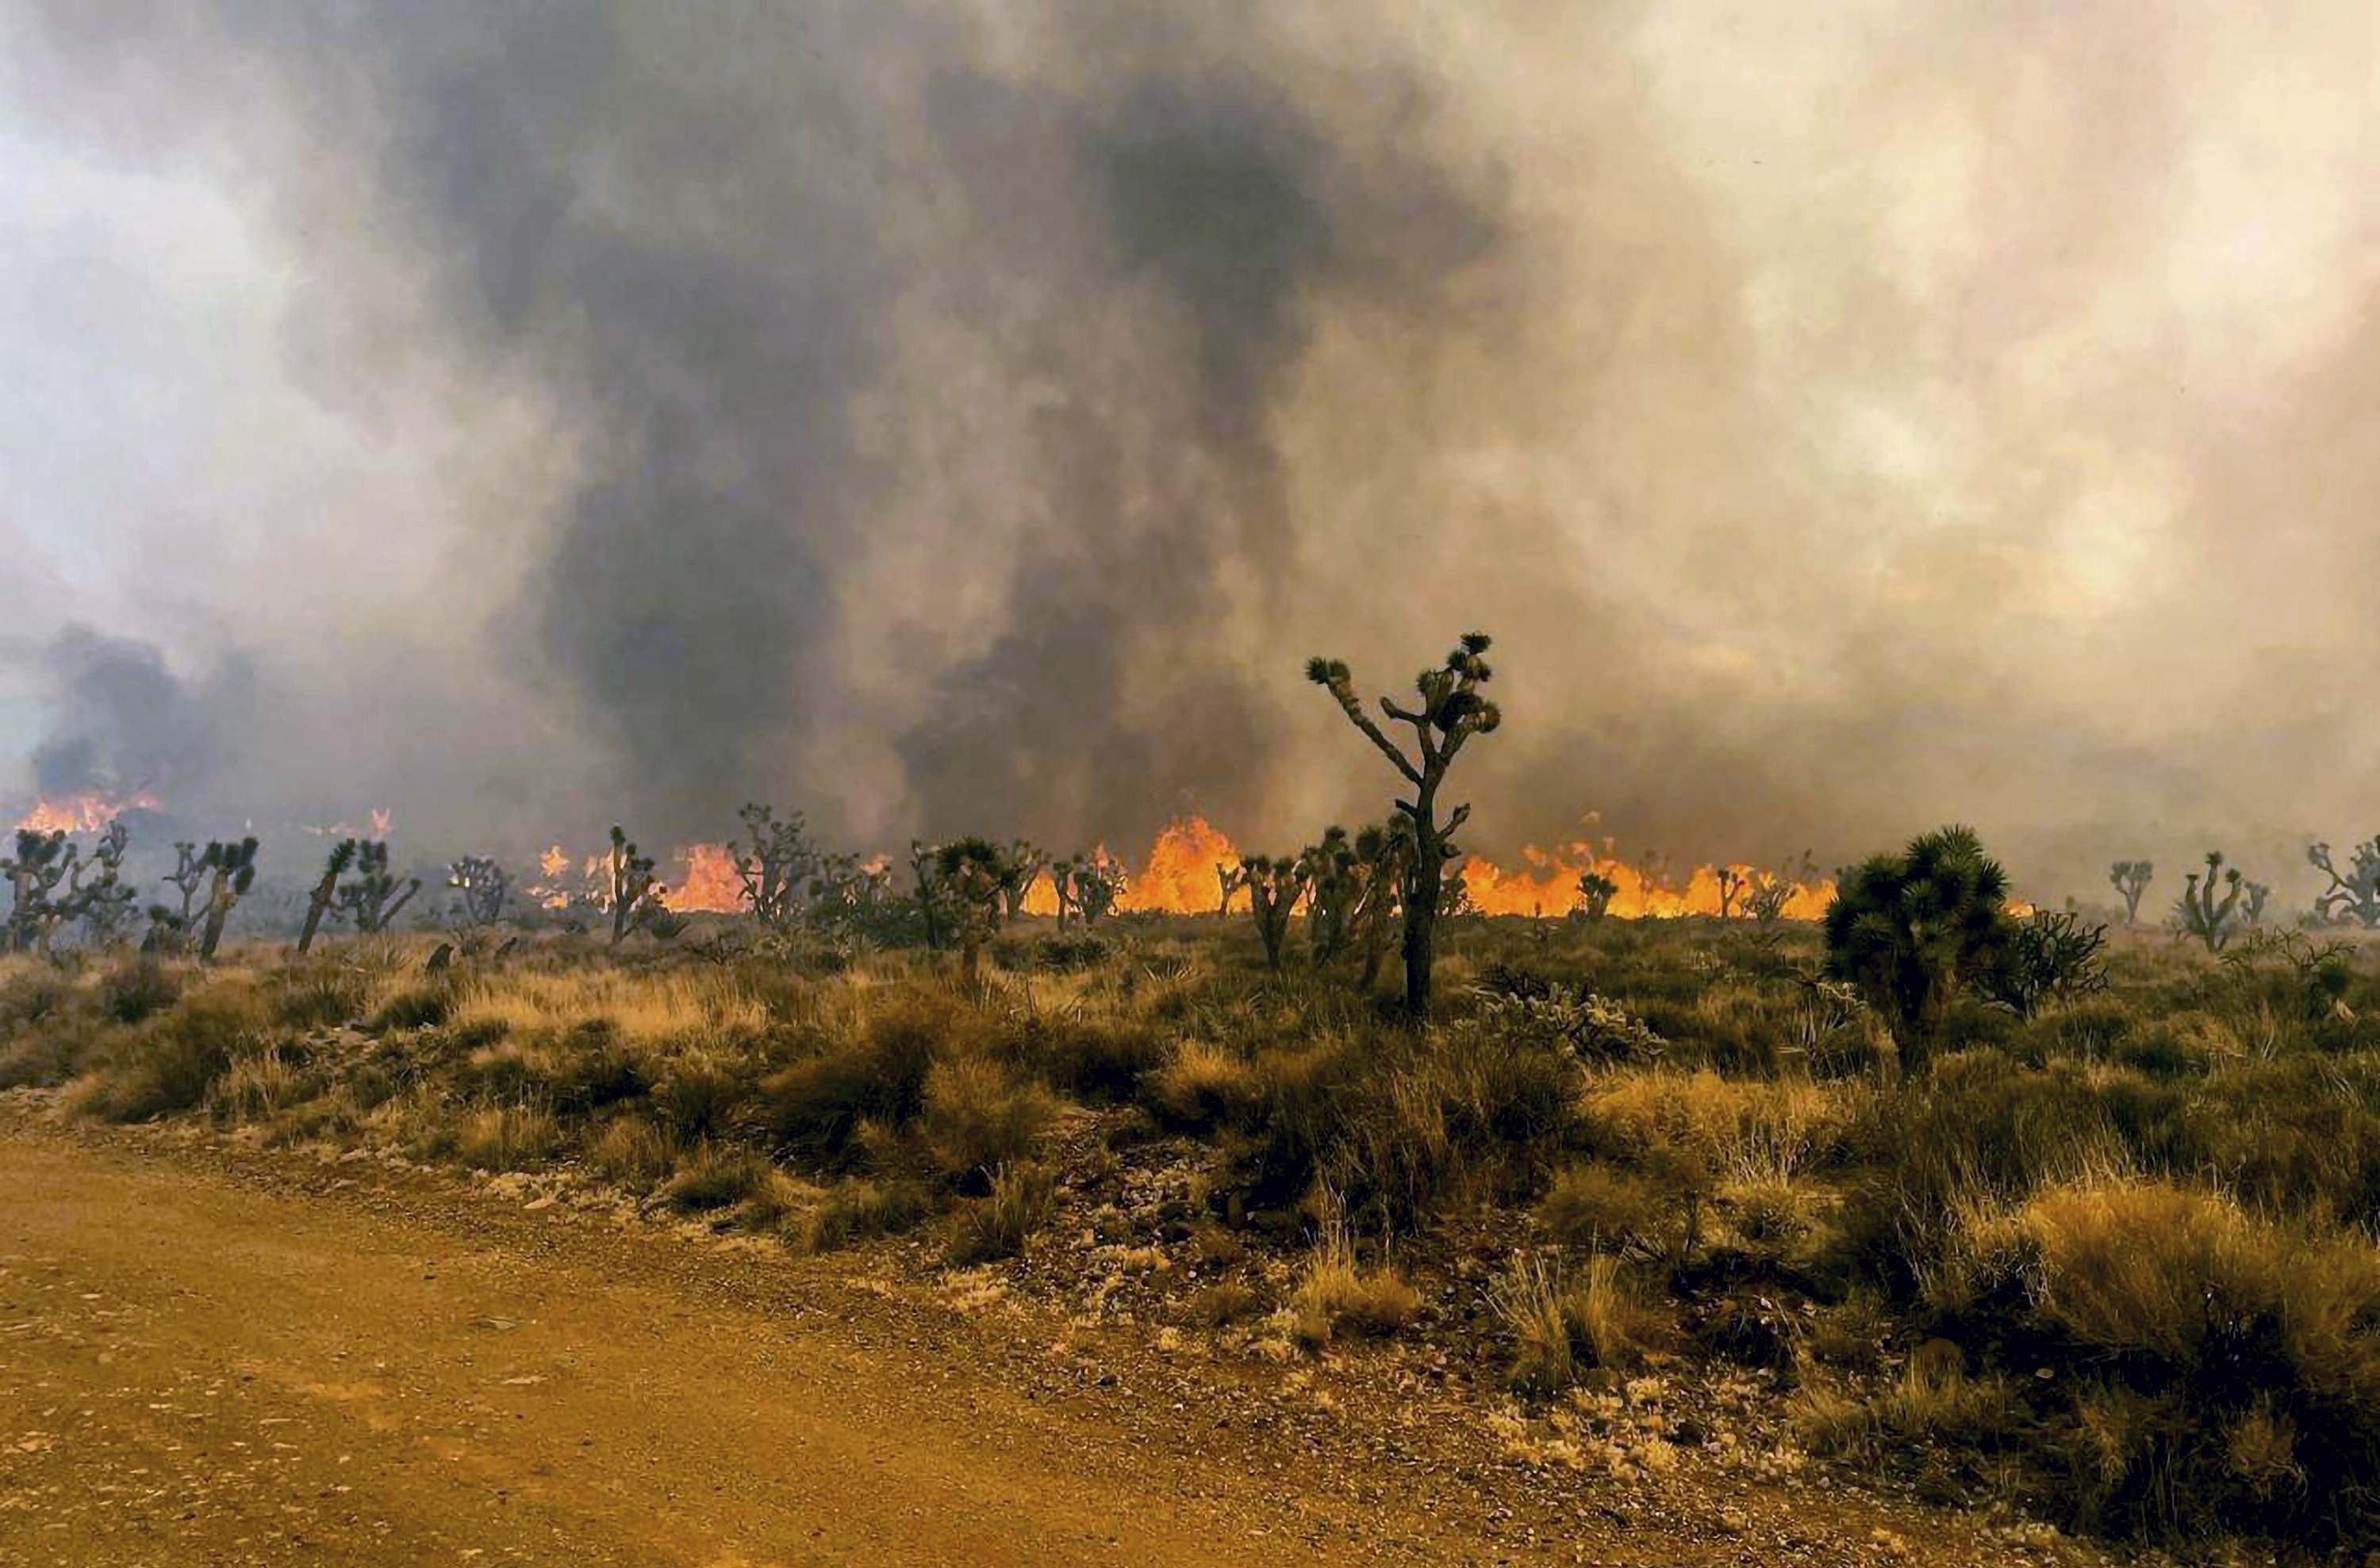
(324, 894)
(231, 871)
(2354, 896)
(2130, 880)
(2213, 920)
(1913, 931)
(97, 893)
(1449, 713)
(631, 891)
(372, 899)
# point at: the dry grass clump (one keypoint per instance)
(507, 1138)
(168, 1062)
(1565, 1325)
(859, 1210)
(634, 1152)
(980, 1115)
(1223, 1302)
(710, 1176)
(257, 1086)
(1201, 1086)
(998, 1224)
(1598, 1207)
(649, 1006)
(1336, 1296)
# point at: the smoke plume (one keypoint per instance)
(950, 417)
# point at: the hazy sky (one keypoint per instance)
(967, 417)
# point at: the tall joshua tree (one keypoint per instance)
(98, 895)
(2130, 880)
(1450, 712)
(633, 892)
(43, 860)
(324, 894)
(1274, 883)
(231, 870)
(372, 899)
(975, 872)
(777, 865)
(2211, 920)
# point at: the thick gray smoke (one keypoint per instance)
(966, 418)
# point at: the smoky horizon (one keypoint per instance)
(967, 419)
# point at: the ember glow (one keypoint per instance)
(79, 813)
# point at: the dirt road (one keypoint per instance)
(199, 1367)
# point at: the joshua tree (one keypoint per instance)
(2202, 916)
(102, 902)
(1733, 884)
(634, 895)
(1773, 891)
(480, 888)
(923, 858)
(2131, 879)
(1229, 879)
(1274, 885)
(231, 870)
(372, 899)
(1089, 886)
(2354, 896)
(1913, 931)
(773, 870)
(1451, 713)
(1383, 852)
(2251, 907)
(1025, 864)
(1594, 896)
(1334, 883)
(976, 874)
(324, 894)
(41, 863)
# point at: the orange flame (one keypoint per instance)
(1549, 885)
(79, 813)
(1178, 877)
(710, 880)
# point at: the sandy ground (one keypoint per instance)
(210, 1361)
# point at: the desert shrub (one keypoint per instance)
(716, 1176)
(507, 1138)
(1097, 1062)
(256, 1086)
(980, 1114)
(33, 995)
(1562, 1325)
(998, 1224)
(2236, 1381)
(167, 1063)
(812, 1110)
(1223, 1302)
(1598, 1207)
(506, 1071)
(593, 1067)
(44, 1057)
(135, 990)
(317, 993)
(1335, 1295)
(700, 1096)
(856, 1210)
(1201, 1086)
(634, 1151)
(423, 1006)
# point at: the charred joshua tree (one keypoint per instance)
(324, 894)
(2131, 879)
(371, 900)
(634, 894)
(1451, 713)
(1596, 891)
(1229, 879)
(1733, 884)
(2201, 914)
(774, 869)
(2354, 896)
(231, 871)
(480, 888)
(1333, 885)
(976, 874)
(1274, 885)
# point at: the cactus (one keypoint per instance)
(1913, 931)
(976, 874)
(2354, 896)
(1275, 884)
(2130, 880)
(1595, 894)
(1451, 713)
(480, 886)
(231, 871)
(371, 900)
(631, 891)
(2201, 914)
(43, 860)
(323, 896)
(774, 869)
